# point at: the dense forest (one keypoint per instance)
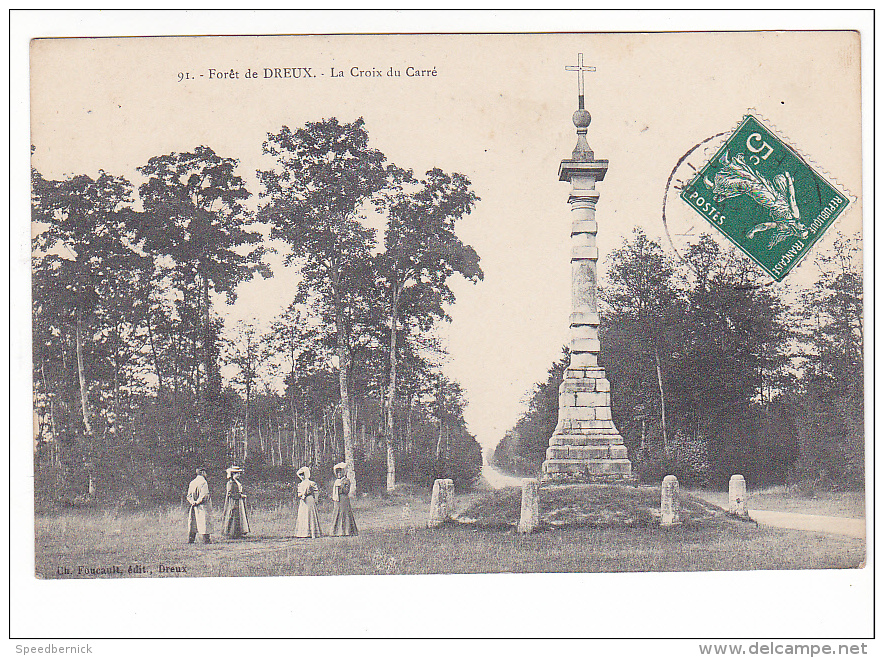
(137, 378)
(715, 372)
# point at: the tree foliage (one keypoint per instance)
(713, 374)
(421, 253)
(324, 173)
(137, 376)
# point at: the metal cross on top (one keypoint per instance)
(580, 68)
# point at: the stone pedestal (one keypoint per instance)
(585, 446)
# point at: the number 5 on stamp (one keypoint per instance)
(763, 196)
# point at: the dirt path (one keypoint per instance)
(497, 480)
(831, 524)
(836, 525)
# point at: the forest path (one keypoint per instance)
(846, 525)
(496, 479)
(812, 522)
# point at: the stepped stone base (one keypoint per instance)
(586, 446)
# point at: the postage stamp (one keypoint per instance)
(765, 197)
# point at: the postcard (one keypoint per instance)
(399, 305)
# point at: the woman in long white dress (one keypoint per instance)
(308, 519)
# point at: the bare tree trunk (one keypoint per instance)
(279, 422)
(57, 486)
(344, 383)
(409, 439)
(314, 442)
(275, 452)
(84, 405)
(116, 387)
(176, 372)
(51, 398)
(439, 441)
(153, 350)
(270, 441)
(294, 416)
(245, 441)
(204, 356)
(391, 393)
(439, 395)
(329, 444)
(296, 445)
(81, 373)
(662, 400)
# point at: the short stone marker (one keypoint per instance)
(530, 517)
(406, 522)
(442, 503)
(669, 502)
(448, 485)
(737, 502)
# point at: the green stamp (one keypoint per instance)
(763, 196)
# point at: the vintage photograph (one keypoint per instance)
(550, 334)
(447, 304)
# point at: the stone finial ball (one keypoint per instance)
(581, 118)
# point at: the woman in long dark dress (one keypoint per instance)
(235, 520)
(344, 524)
(308, 519)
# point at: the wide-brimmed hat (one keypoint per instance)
(232, 470)
(340, 466)
(305, 471)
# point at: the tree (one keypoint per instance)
(244, 352)
(644, 306)
(422, 251)
(85, 271)
(831, 428)
(523, 448)
(735, 349)
(834, 315)
(194, 215)
(323, 175)
(457, 455)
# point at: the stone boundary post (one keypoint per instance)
(737, 502)
(669, 502)
(530, 517)
(442, 503)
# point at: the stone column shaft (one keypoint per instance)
(584, 335)
(585, 445)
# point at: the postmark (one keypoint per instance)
(765, 197)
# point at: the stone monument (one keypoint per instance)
(586, 446)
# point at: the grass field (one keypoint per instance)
(394, 540)
(844, 504)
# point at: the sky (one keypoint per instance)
(498, 109)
